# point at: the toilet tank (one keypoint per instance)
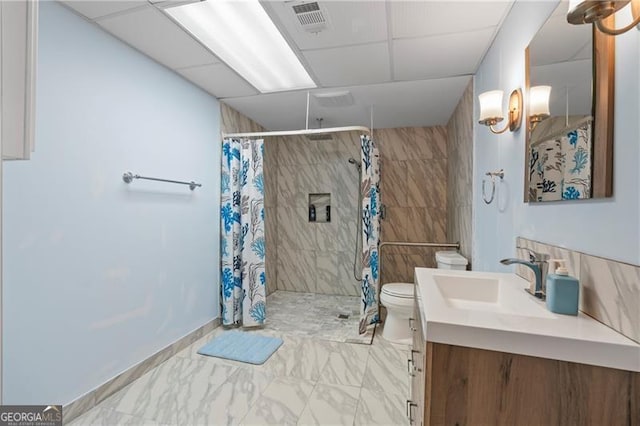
(451, 260)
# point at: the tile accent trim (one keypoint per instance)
(609, 290)
(94, 397)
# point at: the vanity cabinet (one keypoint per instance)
(416, 370)
(456, 385)
(18, 57)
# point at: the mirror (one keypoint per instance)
(570, 153)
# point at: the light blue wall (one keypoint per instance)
(98, 274)
(609, 227)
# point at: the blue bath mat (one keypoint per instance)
(243, 347)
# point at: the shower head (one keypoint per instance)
(354, 162)
(320, 136)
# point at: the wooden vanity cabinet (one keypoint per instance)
(456, 385)
(416, 369)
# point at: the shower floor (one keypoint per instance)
(316, 315)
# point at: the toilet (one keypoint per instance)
(398, 299)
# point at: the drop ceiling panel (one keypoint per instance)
(154, 34)
(440, 56)
(398, 104)
(422, 18)
(413, 103)
(219, 80)
(275, 111)
(345, 66)
(97, 8)
(348, 23)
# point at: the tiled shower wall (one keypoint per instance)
(313, 256)
(609, 290)
(234, 122)
(460, 177)
(318, 257)
(414, 191)
(303, 256)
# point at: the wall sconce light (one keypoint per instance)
(587, 12)
(491, 110)
(538, 104)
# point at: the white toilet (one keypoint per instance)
(398, 299)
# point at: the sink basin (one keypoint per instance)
(467, 289)
(484, 294)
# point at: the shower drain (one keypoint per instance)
(343, 316)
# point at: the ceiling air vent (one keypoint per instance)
(342, 98)
(311, 17)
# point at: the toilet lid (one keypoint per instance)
(404, 290)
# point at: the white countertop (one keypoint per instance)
(514, 321)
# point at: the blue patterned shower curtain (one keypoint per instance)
(242, 233)
(370, 187)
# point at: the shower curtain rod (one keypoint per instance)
(299, 132)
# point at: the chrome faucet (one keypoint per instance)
(538, 264)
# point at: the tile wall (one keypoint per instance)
(318, 257)
(609, 290)
(233, 121)
(460, 177)
(303, 256)
(414, 191)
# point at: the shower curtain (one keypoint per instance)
(370, 187)
(242, 233)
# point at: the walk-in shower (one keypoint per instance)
(312, 264)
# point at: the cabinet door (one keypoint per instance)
(18, 56)
(416, 411)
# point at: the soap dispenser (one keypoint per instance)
(563, 291)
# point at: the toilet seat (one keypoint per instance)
(400, 290)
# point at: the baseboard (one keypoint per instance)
(94, 397)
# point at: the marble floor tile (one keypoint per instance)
(375, 408)
(313, 378)
(107, 417)
(331, 405)
(309, 360)
(199, 380)
(281, 403)
(386, 370)
(316, 315)
(228, 403)
(346, 366)
(151, 396)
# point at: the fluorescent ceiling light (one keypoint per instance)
(242, 35)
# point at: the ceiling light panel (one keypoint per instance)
(242, 35)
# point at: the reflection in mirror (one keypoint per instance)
(561, 146)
